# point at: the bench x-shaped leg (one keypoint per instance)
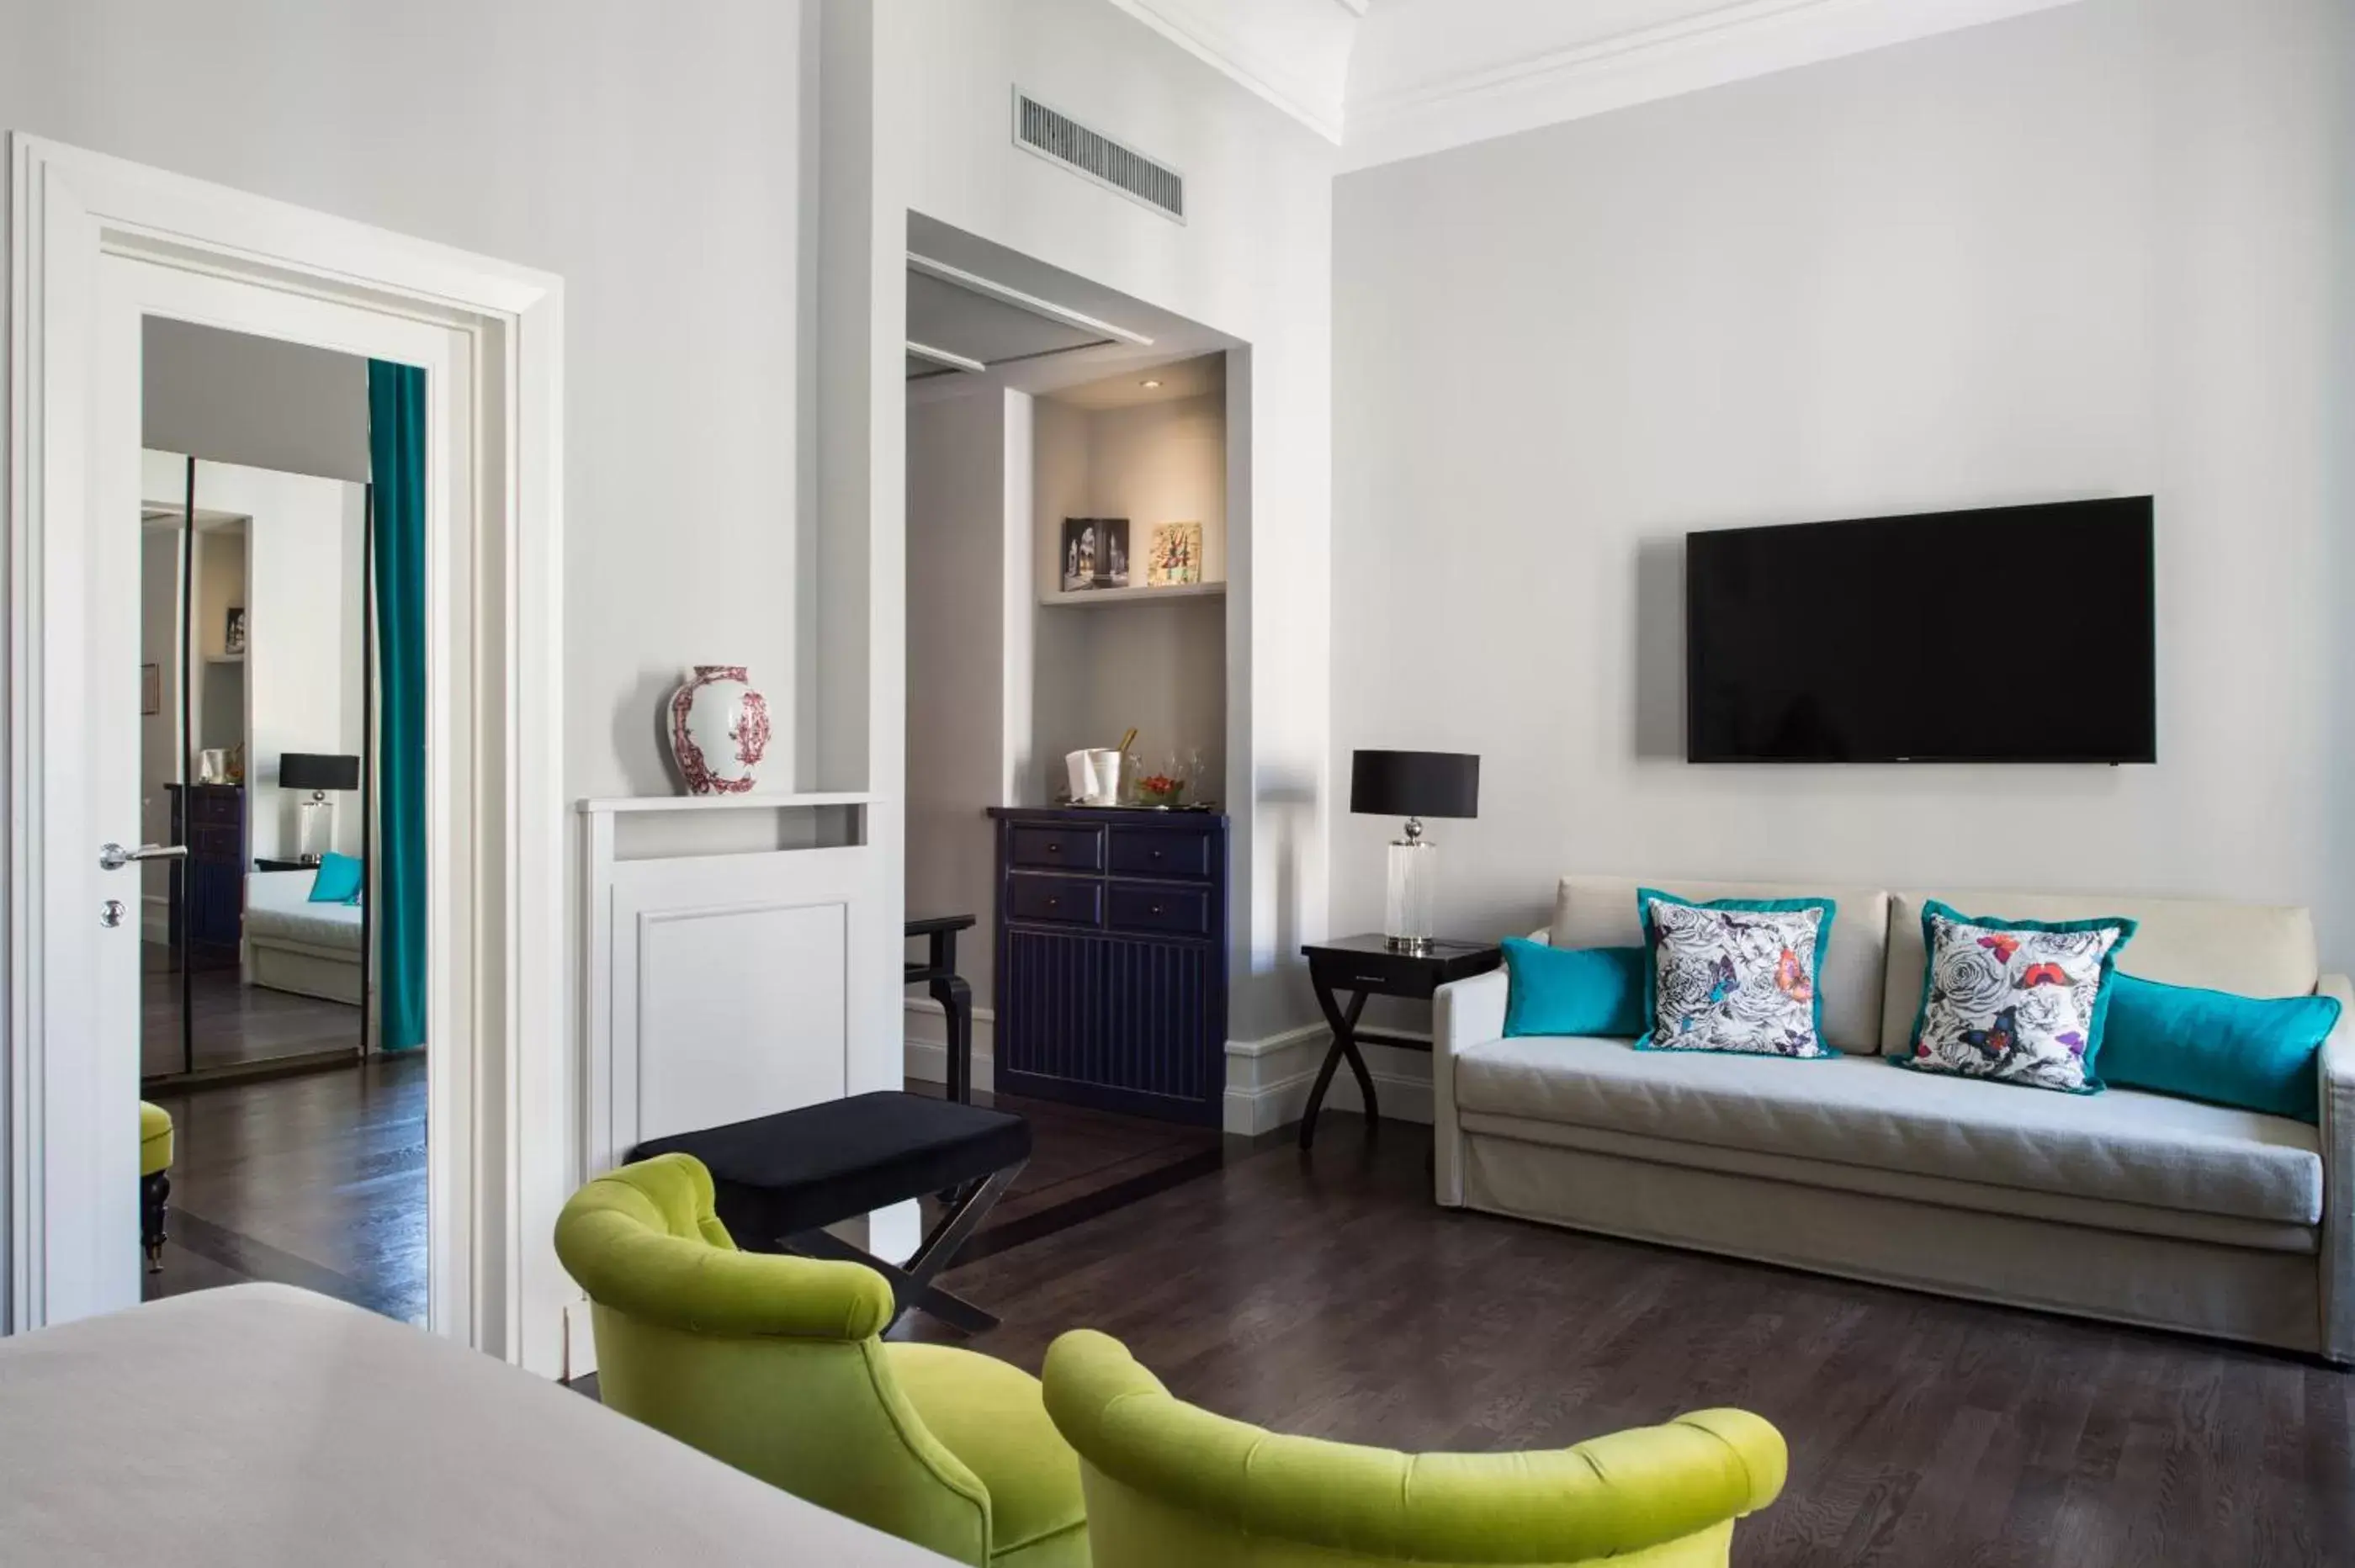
(911, 1285)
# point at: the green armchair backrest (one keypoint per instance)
(771, 1363)
(1170, 1486)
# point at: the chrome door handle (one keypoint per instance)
(114, 857)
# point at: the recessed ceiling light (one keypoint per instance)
(1149, 384)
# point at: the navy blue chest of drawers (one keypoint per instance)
(1112, 959)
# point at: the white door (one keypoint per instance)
(88, 1252)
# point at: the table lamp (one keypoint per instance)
(1413, 784)
(318, 772)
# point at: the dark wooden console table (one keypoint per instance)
(1369, 966)
(1112, 959)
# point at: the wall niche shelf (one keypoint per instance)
(1097, 598)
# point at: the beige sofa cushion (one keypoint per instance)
(1862, 1114)
(2256, 950)
(1932, 1192)
(1600, 911)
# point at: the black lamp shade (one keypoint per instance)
(1414, 784)
(317, 770)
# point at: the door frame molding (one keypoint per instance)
(66, 209)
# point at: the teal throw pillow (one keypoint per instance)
(2253, 1052)
(1573, 990)
(338, 881)
(1734, 974)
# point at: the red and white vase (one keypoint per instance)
(718, 728)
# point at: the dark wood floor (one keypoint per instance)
(316, 1180)
(1083, 1163)
(235, 1022)
(319, 1180)
(1325, 1294)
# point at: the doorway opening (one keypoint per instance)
(1075, 513)
(297, 1128)
(96, 247)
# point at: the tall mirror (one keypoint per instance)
(282, 685)
(254, 654)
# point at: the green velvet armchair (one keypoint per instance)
(1169, 1486)
(773, 1364)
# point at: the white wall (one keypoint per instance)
(1102, 669)
(651, 155)
(648, 153)
(1151, 463)
(303, 651)
(294, 562)
(2106, 248)
(957, 656)
(1062, 688)
(1253, 261)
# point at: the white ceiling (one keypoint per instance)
(942, 315)
(1023, 349)
(1387, 79)
(1150, 384)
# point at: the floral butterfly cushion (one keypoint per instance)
(2019, 1001)
(1736, 975)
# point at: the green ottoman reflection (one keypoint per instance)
(774, 1363)
(1170, 1486)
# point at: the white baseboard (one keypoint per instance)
(926, 1043)
(1268, 1080)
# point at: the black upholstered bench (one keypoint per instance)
(778, 1180)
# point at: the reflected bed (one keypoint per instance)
(294, 944)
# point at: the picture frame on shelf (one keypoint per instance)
(1094, 554)
(233, 633)
(1175, 560)
(150, 689)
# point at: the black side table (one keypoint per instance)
(1369, 966)
(266, 863)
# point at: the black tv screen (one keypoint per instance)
(2011, 635)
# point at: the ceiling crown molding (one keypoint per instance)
(1293, 53)
(1542, 82)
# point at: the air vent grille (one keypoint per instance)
(1051, 133)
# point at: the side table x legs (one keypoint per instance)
(1344, 1025)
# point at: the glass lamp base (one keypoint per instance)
(1413, 882)
(314, 829)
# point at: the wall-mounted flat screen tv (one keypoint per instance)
(2009, 635)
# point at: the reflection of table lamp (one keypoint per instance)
(318, 772)
(1413, 784)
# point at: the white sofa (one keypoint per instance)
(2134, 1206)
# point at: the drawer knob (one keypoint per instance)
(1054, 847)
(1053, 902)
(1156, 909)
(1157, 854)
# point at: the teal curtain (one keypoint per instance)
(397, 461)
